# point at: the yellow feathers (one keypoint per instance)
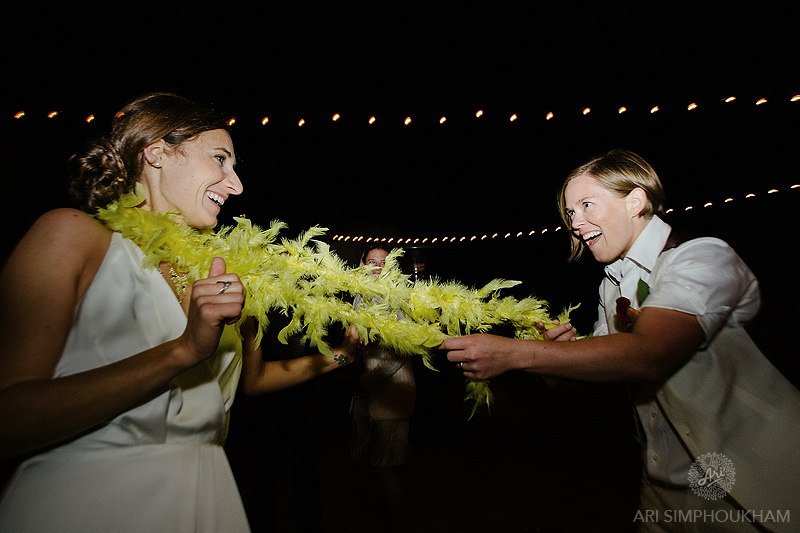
(304, 279)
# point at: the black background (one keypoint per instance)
(467, 177)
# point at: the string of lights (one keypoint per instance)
(508, 235)
(407, 120)
(478, 114)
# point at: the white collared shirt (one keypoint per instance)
(703, 277)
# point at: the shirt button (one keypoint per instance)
(656, 458)
(653, 415)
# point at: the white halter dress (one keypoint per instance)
(159, 466)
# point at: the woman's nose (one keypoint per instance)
(234, 183)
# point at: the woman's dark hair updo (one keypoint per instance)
(112, 166)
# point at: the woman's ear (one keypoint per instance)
(637, 201)
(154, 153)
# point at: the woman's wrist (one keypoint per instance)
(342, 356)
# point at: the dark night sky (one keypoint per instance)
(468, 176)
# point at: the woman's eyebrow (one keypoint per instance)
(227, 152)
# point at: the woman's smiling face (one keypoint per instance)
(194, 179)
(606, 223)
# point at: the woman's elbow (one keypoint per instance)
(250, 384)
(660, 366)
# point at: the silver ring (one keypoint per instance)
(225, 286)
(461, 365)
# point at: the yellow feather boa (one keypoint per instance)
(307, 282)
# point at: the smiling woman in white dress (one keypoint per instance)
(116, 378)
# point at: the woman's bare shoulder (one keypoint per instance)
(66, 225)
(62, 236)
(67, 216)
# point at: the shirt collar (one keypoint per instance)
(644, 252)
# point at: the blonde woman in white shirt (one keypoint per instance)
(670, 323)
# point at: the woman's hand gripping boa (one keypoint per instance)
(307, 283)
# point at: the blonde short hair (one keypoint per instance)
(619, 171)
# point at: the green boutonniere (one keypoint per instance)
(627, 314)
(642, 291)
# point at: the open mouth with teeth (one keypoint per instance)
(216, 198)
(590, 238)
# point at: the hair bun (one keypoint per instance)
(99, 176)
